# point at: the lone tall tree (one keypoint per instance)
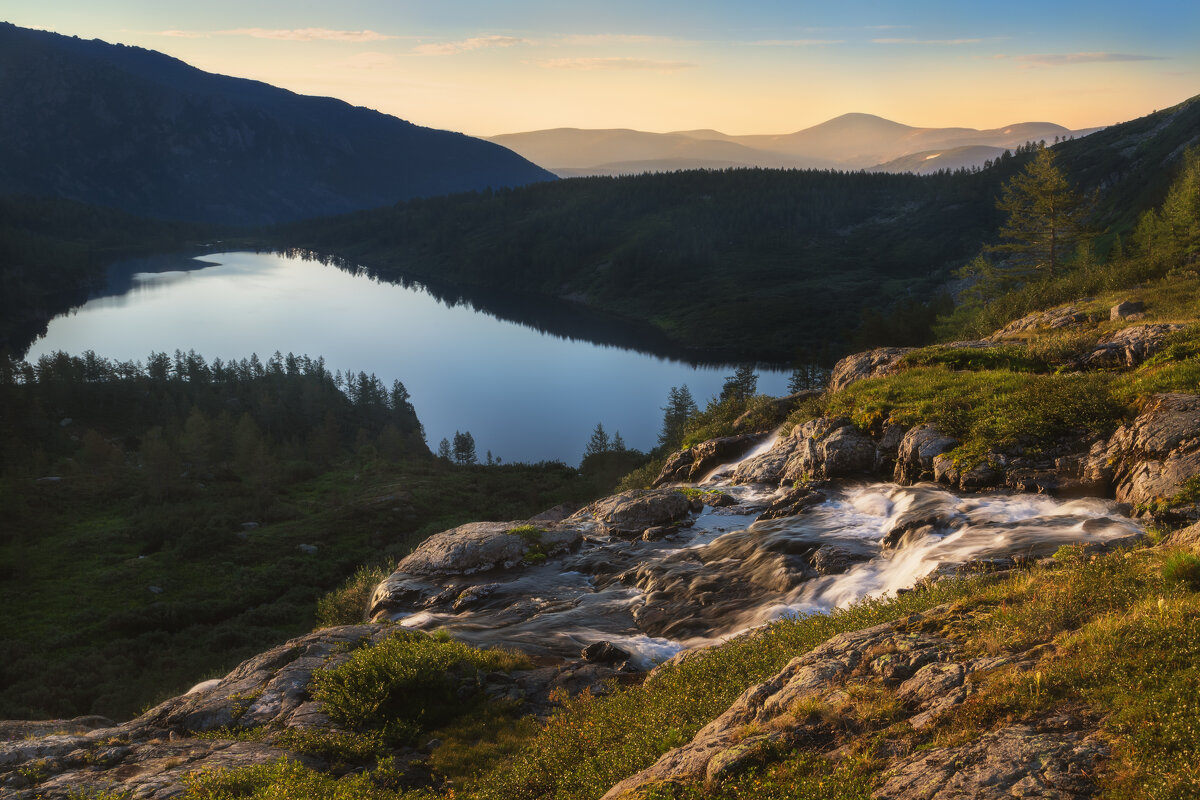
(1045, 214)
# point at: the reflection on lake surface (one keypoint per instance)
(523, 394)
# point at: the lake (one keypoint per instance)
(523, 394)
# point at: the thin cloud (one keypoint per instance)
(309, 34)
(1061, 59)
(181, 34)
(795, 42)
(928, 41)
(615, 64)
(618, 38)
(475, 43)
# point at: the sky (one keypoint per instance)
(755, 66)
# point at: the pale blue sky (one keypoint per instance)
(749, 67)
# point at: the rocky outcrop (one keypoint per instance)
(870, 364)
(829, 447)
(693, 463)
(928, 677)
(1054, 319)
(1129, 347)
(1052, 758)
(1156, 457)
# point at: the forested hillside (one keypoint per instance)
(745, 264)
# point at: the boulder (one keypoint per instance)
(1126, 308)
(632, 512)
(1156, 457)
(917, 451)
(481, 546)
(869, 364)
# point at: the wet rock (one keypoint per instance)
(1125, 308)
(1128, 347)
(917, 451)
(1156, 454)
(925, 514)
(768, 467)
(696, 462)
(829, 447)
(472, 596)
(870, 364)
(1017, 761)
(603, 653)
(633, 512)
(718, 500)
(699, 590)
(658, 532)
(480, 546)
(792, 503)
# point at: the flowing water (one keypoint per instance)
(727, 573)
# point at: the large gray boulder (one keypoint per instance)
(481, 546)
(1156, 455)
(632, 512)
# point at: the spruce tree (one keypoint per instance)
(1045, 215)
(599, 442)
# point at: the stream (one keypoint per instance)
(726, 572)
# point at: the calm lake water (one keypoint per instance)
(523, 395)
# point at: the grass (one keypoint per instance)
(985, 410)
(348, 604)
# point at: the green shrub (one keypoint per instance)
(347, 605)
(1182, 569)
(406, 683)
(1010, 357)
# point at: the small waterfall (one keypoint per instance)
(755, 452)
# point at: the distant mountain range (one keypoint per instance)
(851, 141)
(137, 130)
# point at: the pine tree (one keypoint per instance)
(741, 385)
(599, 442)
(680, 407)
(464, 448)
(1045, 214)
(618, 444)
(444, 449)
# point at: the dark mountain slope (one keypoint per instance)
(146, 133)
